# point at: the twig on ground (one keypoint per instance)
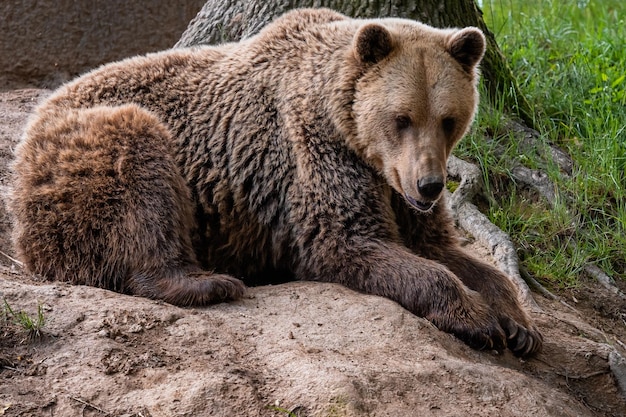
(534, 284)
(585, 376)
(15, 261)
(85, 403)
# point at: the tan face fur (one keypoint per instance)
(415, 103)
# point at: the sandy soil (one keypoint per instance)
(309, 348)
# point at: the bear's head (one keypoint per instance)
(415, 100)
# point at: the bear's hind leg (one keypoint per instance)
(98, 200)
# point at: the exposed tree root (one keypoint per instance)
(536, 180)
(470, 219)
(528, 142)
(539, 181)
(617, 364)
(606, 281)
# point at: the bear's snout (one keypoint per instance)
(430, 187)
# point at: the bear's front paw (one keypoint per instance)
(523, 341)
(474, 325)
(488, 336)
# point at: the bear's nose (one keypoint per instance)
(430, 187)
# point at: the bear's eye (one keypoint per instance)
(448, 125)
(403, 122)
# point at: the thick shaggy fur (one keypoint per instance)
(315, 150)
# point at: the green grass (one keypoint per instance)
(568, 58)
(281, 410)
(31, 325)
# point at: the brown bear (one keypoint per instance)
(315, 150)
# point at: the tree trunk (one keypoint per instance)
(226, 21)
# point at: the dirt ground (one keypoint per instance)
(307, 348)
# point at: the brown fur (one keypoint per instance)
(295, 154)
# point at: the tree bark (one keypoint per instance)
(226, 21)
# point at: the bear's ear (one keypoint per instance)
(372, 43)
(467, 46)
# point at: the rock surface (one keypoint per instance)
(317, 348)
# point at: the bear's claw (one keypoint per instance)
(522, 341)
(491, 339)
